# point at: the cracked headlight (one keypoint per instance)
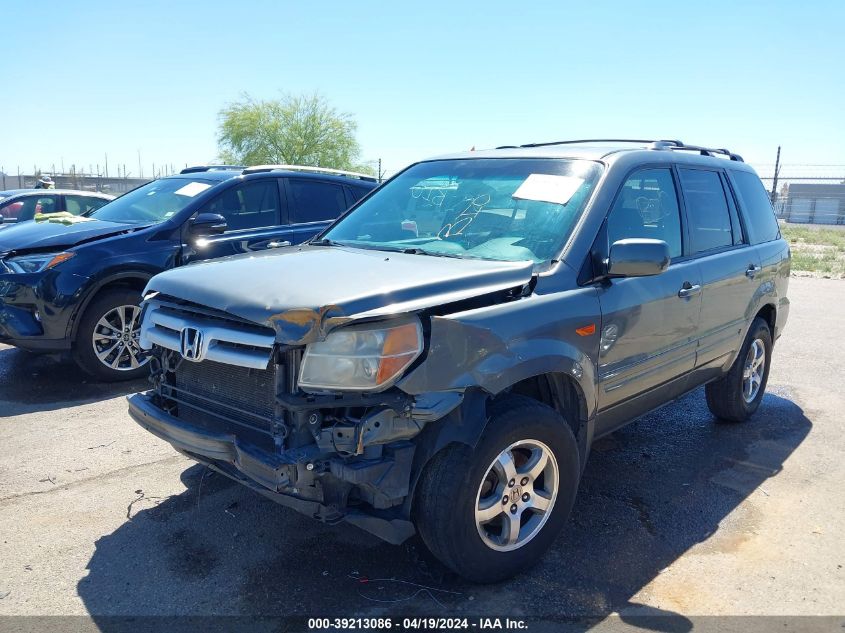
(37, 263)
(367, 357)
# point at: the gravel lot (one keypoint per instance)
(675, 514)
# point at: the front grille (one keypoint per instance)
(237, 394)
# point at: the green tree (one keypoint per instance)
(292, 130)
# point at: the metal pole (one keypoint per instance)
(107, 165)
(774, 195)
(140, 169)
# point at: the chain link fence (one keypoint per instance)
(806, 194)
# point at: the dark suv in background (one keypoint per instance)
(76, 286)
(465, 333)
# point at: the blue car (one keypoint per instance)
(73, 284)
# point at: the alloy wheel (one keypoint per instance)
(516, 495)
(752, 374)
(115, 339)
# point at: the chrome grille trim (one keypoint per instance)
(231, 344)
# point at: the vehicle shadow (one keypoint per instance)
(650, 492)
(40, 382)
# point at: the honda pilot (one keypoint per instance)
(441, 358)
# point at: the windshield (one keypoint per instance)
(152, 203)
(500, 209)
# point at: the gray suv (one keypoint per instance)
(440, 359)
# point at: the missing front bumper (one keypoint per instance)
(267, 474)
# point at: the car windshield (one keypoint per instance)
(152, 203)
(499, 209)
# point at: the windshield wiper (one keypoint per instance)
(325, 242)
(413, 250)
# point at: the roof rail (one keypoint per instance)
(201, 168)
(704, 151)
(307, 169)
(598, 140)
(663, 144)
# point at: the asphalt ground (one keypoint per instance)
(675, 514)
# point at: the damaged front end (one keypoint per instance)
(227, 394)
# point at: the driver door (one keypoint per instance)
(649, 324)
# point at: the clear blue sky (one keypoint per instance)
(84, 79)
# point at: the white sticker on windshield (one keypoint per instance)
(192, 189)
(548, 188)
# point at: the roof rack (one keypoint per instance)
(663, 144)
(307, 169)
(201, 168)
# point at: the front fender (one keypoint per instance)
(495, 347)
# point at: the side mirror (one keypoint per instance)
(207, 224)
(638, 257)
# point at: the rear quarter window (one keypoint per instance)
(762, 224)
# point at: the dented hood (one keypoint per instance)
(303, 292)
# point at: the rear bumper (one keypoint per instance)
(267, 474)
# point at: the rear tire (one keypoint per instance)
(736, 396)
(111, 322)
(488, 517)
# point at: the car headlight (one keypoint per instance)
(361, 357)
(37, 263)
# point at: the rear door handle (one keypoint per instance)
(752, 270)
(277, 244)
(688, 290)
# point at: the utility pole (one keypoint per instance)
(107, 165)
(379, 170)
(774, 195)
(140, 169)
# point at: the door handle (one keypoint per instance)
(277, 244)
(752, 270)
(688, 290)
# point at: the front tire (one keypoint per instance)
(491, 512)
(737, 395)
(106, 345)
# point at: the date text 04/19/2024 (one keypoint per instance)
(416, 624)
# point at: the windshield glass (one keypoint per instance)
(152, 203)
(501, 209)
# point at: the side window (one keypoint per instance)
(77, 205)
(647, 206)
(314, 201)
(248, 206)
(11, 210)
(707, 210)
(762, 224)
(27, 208)
(358, 193)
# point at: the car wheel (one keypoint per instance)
(106, 345)
(490, 512)
(737, 395)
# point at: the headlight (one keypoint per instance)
(37, 263)
(361, 357)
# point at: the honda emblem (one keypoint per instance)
(190, 344)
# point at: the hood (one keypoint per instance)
(304, 292)
(32, 235)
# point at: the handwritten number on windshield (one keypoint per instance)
(474, 206)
